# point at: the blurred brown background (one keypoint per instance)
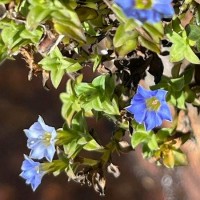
(22, 101)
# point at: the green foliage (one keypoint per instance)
(95, 96)
(140, 136)
(181, 47)
(15, 35)
(58, 65)
(179, 92)
(125, 39)
(164, 149)
(76, 137)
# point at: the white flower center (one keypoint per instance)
(46, 138)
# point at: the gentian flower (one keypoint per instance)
(32, 172)
(151, 11)
(150, 107)
(41, 140)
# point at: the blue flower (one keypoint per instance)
(151, 11)
(41, 140)
(31, 172)
(150, 107)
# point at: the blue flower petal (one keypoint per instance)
(154, 14)
(139, 117)
(137, 99)
(125, 4)
(36, 182)
(145, 93)
(50, 153)
(28, 163)
(164, 112)
(36, 127)
(153, 17)
(44, 126)
(161, 95)
(33, 131)
(38, 152)
(31, 172)
(164, 8)
(136, 107)
(158, 120)
(150, 122)
(53, 134)
(33, 143)
(27, 174)
(151, 118)
(37, 142)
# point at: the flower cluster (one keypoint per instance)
(150, 107)
(151, 11)
(41, 141)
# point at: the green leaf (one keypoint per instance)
(190, 96)
(126, 48)
(5, 1)
(33, 36)
(193, 32)
(66, 136)
(138, 137)
(97, 104)
(96, 59)
(110, 107)
(86, 90)
(180, 98)
(72, 149)
(70, 106)
(198, 45)
(175, 70)
(175, 38)
(92, 145)
(188, 75)
(177, 52)
(58, 65)
(163, 134)
(155, 30)
(152, 143)
(56, 76)
(122, 36)
(66, 22)
(119, 13)
(37, 15)
(149, 45)
(181, 48)
(79, 122)
(191, 56)
(74, 68)
(11, 36)
(178, 83)
(100, 81)
(86, 13)
(180, 158)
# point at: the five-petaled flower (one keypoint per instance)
(41, 140)
(32, 172)
(151, 11)
(150, 107)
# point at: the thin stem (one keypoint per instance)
(71, 76)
